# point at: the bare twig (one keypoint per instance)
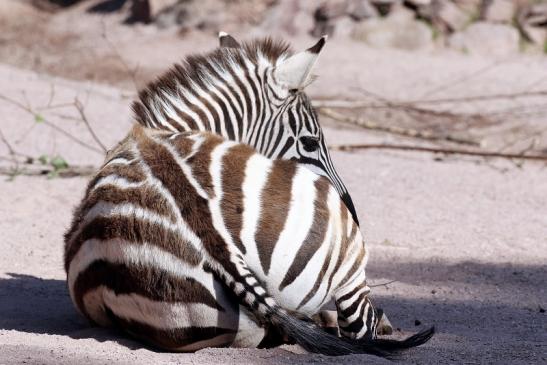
(45, 121)
(383, 284)
(351, 147)
(71, 171)
(465, 78)
(427, 135)
(355, 104)
(132, 72)
(78, 105)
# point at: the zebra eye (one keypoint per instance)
(310, 143)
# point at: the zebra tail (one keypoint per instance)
(307, 334)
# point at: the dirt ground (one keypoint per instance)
(464, 240)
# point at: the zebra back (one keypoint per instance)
(251, 93)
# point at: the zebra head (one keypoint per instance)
(293, 130)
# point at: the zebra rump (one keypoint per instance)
(170, 215)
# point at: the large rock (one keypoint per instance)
(299, 23)
(532, 23)
(498, 11)
(472, 7)
(451, 16)
(398, 30)
(146, 11)
(486, 39)
(361, 9)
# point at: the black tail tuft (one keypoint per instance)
(415, 340)
(314, 339)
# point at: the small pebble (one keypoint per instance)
(541, 310)
(433, 291)
(417, 322)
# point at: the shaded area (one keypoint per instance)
(43, 306)
(506, 276)
(488, 328)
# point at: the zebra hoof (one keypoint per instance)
(384, 326)
(328, 320)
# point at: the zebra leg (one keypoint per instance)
(328, 320)
(357, 318)
(384, 326)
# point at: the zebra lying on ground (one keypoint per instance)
(177, 229)
(250, 93)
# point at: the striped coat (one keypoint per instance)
(251, 93)
(187, 240)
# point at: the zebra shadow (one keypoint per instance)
(43, 306)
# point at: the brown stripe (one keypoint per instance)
(171, 339)
(319, 280)
(234, 163)
(136, 231)
(346, 313)
(344, 242)
(348, 295)
(131, 172)
(276, 197)
(151, 283)
(354, 267)
(145, 197)
(201, 161)
(194, 209)
(316, 234)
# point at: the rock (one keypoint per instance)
(16, 11)
(471, 7)
(344, 27)
(419, 2)
(537, 15)
(361, 9)
(384, 6)
(302, 22)
(498, 11)
(451, 17)
(146, 11)
(398, 30)
(486, 39)
(384, 326)
(331, 9)
(535, 35)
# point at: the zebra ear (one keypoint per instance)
(227, 41)
(295, 71)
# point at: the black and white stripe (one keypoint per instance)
(251, 93)
(177, 230)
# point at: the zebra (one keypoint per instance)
(251, 93)
(187, 240)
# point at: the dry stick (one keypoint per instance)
(49, 124)
(351, 104)
(351, 147)
(394, 130)
(465, 78)
(71, 171)
(80, 109)
(132, 72)
(382, 284)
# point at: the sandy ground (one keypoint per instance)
(465, 240)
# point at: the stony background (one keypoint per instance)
(476, 26)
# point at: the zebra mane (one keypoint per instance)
(197, 70)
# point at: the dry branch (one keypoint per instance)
(448, 151)
(50, 124)
(426, 135)
(30, 170)
(78, 105)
